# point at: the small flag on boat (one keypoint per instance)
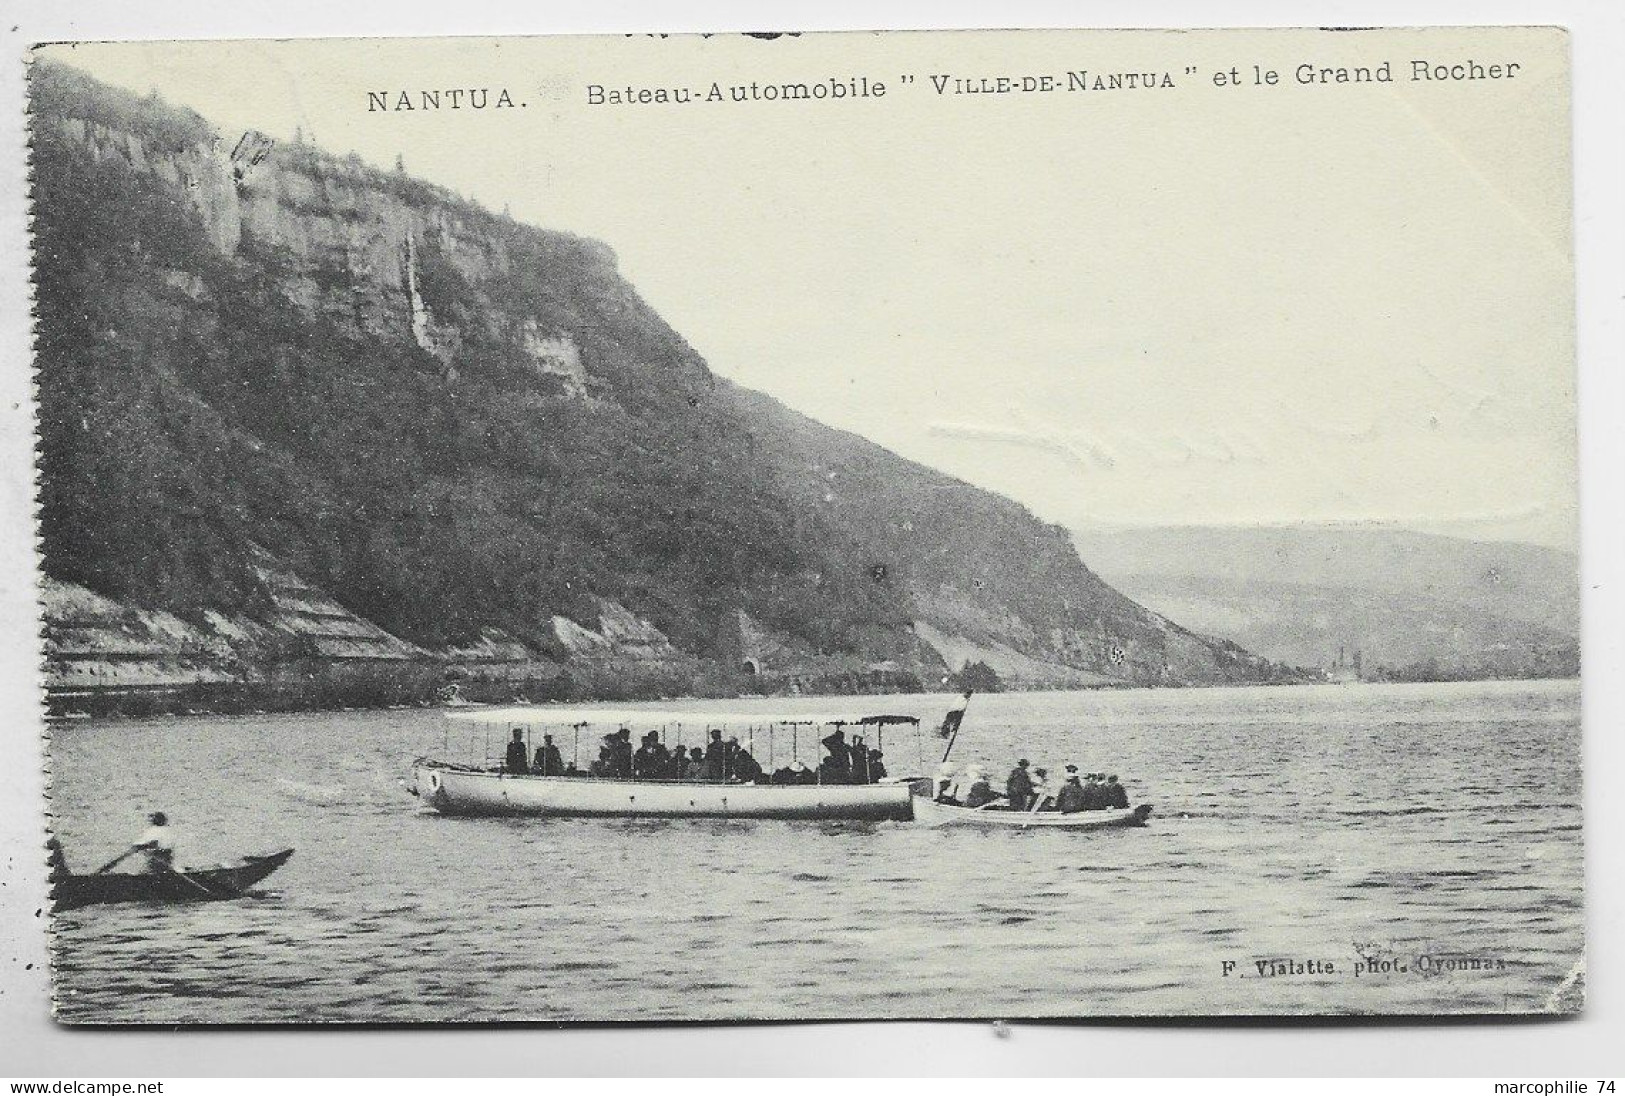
(951, 721)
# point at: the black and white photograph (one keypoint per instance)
(1060, 525)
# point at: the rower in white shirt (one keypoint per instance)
(159, 844)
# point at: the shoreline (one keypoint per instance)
(66, 707)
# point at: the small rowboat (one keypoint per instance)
(202, 885)
(931, 812)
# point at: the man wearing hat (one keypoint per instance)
(615, 757)
(516, 763)
(548, 761)
(1018, 787)
(1094, 794)
(650, 762)
(837, 767)
(859, 752)
(1116, 794)
(694, 765)
(1069, 800)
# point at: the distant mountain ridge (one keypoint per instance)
(1419, 604)
(473, 435)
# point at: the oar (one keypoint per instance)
(199, 887)
(117, 860)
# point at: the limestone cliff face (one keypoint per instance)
(351, 243)
(473, 437)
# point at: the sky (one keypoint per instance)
(1192, 305)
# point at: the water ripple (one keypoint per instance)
(1290, 822)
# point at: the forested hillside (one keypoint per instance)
(454, 424)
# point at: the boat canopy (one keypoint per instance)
(616, 717)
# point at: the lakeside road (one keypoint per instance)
(1378, 849)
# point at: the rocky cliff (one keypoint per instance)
(474, 437)
(984, 580)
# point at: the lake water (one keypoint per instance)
(1434, 828)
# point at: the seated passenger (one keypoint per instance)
(858, 751)
(1043, 799)
(548, 761)
(1094, 794)
(516, 764)
(785, 775)
(716, 758)
(677, 763)
(837, 767)
(696, 769)
(1069, 800)
(1116, 794)
(622, 765)
(744, 766)
(1018, 787)
(980, 792)
(877, 766)
(615, 755)
(648, 763)
(942, 785)
(803, 775)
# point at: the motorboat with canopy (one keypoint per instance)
(481, 785)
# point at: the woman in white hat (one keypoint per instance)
(1041, 788)
(981, 791)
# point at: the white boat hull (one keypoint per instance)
(931, 812)
(467, 792)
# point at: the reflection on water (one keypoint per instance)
(1335, 824)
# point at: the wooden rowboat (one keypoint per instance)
(462, 791)
(931, 812)
(71, 891)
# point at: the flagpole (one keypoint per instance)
(960, 722)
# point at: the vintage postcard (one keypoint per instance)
(862, 525)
